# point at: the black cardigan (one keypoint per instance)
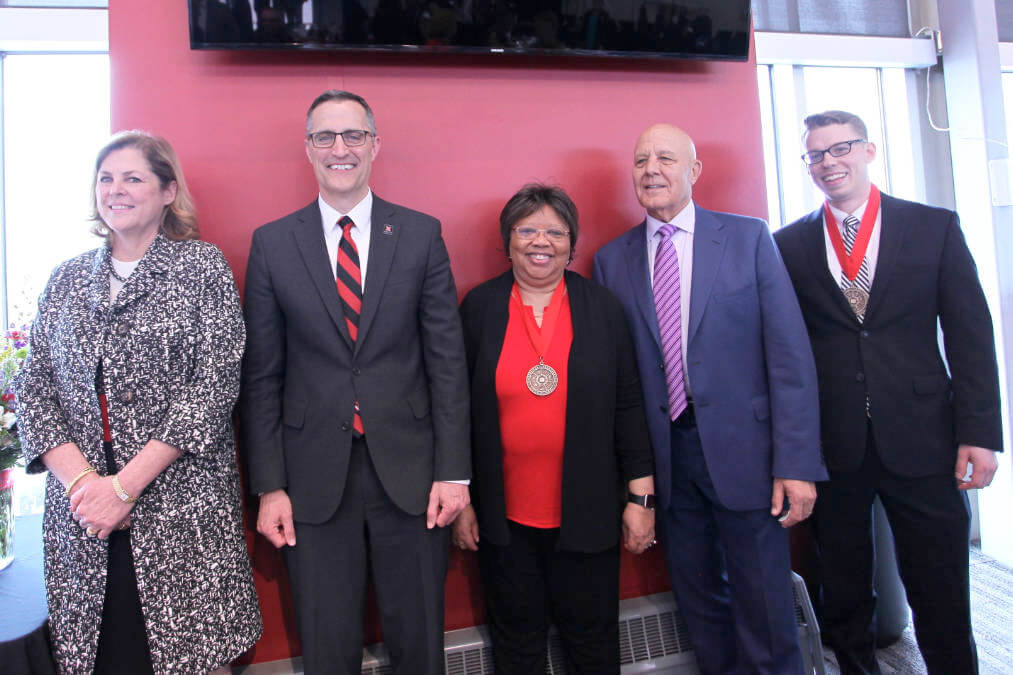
(606, 442)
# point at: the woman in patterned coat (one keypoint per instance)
(126, 399)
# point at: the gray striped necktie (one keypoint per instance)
(862, 280)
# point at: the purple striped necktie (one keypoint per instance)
(668, 304)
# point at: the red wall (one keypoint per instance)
(460, 135)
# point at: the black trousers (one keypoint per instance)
(122, 637)
(529, 584)
(328, 571)
(929, 518)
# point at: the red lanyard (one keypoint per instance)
(851, 264)
(540, 338)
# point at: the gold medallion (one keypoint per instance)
(542, 379)
(857, 298)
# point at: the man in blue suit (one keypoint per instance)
(733, 416)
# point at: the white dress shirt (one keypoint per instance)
(362, 215)
(871, 253)
(682, 239)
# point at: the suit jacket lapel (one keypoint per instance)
(383, 237)
(309, 239)
(708, 250)
(893, 230)
(816, 247)
(636, 241)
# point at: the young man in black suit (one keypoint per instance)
(873, 275)
(355, 403)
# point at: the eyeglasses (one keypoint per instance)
(351, 138)
(835, 150)
(551, 233)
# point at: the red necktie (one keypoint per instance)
(349, 282)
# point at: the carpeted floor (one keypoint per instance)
(992, 616)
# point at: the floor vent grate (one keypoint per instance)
(473, 660)
(653, 639)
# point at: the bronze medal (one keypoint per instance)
(542, 379)
(857, 298)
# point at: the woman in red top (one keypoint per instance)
(562, 465)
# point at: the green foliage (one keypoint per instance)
(6, 522)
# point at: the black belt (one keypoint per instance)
(687, 418)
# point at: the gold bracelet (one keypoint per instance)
(121, 493)
(89, 469)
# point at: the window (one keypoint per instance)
(790, 92)
(55, 116)
(1007, 91)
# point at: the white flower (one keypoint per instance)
(8, 419)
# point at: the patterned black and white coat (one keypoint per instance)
(171, 345)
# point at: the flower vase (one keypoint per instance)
(6, 517)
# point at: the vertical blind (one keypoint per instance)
(845, 17)
(1004, 17)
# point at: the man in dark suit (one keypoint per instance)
(732, 417)
(355, 402)
(873, 274)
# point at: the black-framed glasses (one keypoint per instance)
(835, 150)
(551, 233)
(326, 139)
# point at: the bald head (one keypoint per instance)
(665, 168)
(669, 135)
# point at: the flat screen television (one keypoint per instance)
(696, 29)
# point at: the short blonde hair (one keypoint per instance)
(179, 219)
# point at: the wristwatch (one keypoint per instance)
(647, 501)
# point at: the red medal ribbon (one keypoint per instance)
(6, 479)
(851, 264)
(540, 338)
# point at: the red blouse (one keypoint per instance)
(533, 428)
